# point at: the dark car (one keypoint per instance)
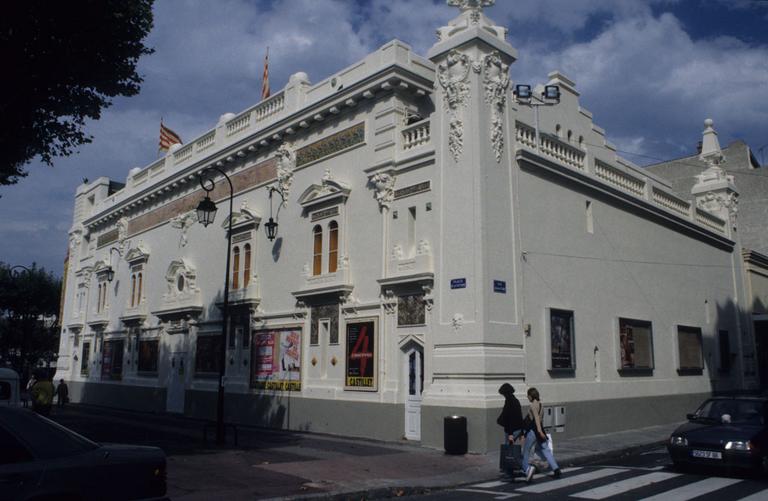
(42, 460)
(725, 432)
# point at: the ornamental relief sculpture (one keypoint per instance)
(384, 184)
(452, 76)
(715, 202)
(286, 164)
(184, 222)
(495, 84)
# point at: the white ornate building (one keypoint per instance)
(433, 243)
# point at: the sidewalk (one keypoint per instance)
(269, 464)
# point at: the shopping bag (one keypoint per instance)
(510, 457)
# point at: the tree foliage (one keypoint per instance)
(29, 307)
(64, 62)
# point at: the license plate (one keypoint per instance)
(707, 454)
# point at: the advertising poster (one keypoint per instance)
(277, 359)
(561, 337)
(361, 356)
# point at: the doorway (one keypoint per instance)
(175, 389)
(414, 380)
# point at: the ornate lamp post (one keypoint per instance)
(110, 271)
(271, 226)
(206, 212)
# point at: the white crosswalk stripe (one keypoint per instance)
(570, 480)
(693, 490)
(490, 485)
(758, 496)
(498, 495)
(623, 486)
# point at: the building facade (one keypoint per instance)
(437, 237)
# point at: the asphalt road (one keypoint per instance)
(644, 476)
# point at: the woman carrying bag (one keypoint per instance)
(536, 438)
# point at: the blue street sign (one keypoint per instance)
(458, 283)
(500, 286)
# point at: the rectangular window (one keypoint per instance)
(148, 354)
(561, 340)
(208, 355)
(325, 330)
(112, 360)
(590, 221)
(85, 358)
(333, 247)
(317, 251)
(326, 311)
(724, 344)
(411, 231)
(635, 345)
(411, 310)
(690, 350)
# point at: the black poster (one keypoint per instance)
(561, 337)
(361, 355)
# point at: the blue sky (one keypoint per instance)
(650, 71)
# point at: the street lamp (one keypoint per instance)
(549, 97)
(15, 272)
(271, 226)
(206, 212)
(110, 271)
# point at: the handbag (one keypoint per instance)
(510, 457)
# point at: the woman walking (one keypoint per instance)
(536, 438)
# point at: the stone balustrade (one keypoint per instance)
(554, 149)
(416, 135)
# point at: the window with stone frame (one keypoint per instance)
(690, 350)
(137, 284)
(236, 267)
(208, 355)
(317, 250)
(333, 246)
(635, 345)
(148, 355)
(246, 265)
(85, 358)
(112, 359)
(411, 310)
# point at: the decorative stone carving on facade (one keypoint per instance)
(349, 304)
(452, 76)
(429, 300)
(718, 200)
(180, 281)
(457, 322)
(474, 5)
(423, 248)
(495, 84)
(246, 217)
(397, 252)
(286, 164)
(137, 254)
(329, 189)
(384, 184)
(122, 234)
(183, 222)
(389, 301)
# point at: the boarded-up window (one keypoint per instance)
(635, 344)
(689, 348)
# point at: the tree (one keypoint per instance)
(65, 60)
(29, 308)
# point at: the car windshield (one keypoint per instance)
(44, 437)
(734, 411)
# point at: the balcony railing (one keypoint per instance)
(416, 135)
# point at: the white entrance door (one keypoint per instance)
(414, 372)
(175, 391)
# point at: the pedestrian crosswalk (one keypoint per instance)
(646, 484)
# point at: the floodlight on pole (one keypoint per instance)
(550, 96)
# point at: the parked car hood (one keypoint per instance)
(715, 434)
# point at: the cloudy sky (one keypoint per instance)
(651, 71)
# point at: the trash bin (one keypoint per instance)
(455, 434)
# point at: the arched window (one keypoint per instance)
(133, 291)
(247, 266)
(138, 291)
(317, 253)
(333, 246)
(236, 268)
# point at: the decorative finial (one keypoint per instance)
(466, 5)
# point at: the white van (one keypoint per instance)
(9, 387)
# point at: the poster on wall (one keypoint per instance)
(277, 359)
(561, 339)
(635, 344)
(361, 355)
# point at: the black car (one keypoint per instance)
(42, 460)
(724, 432)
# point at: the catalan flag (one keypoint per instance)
(265, 78)
(167, 137)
